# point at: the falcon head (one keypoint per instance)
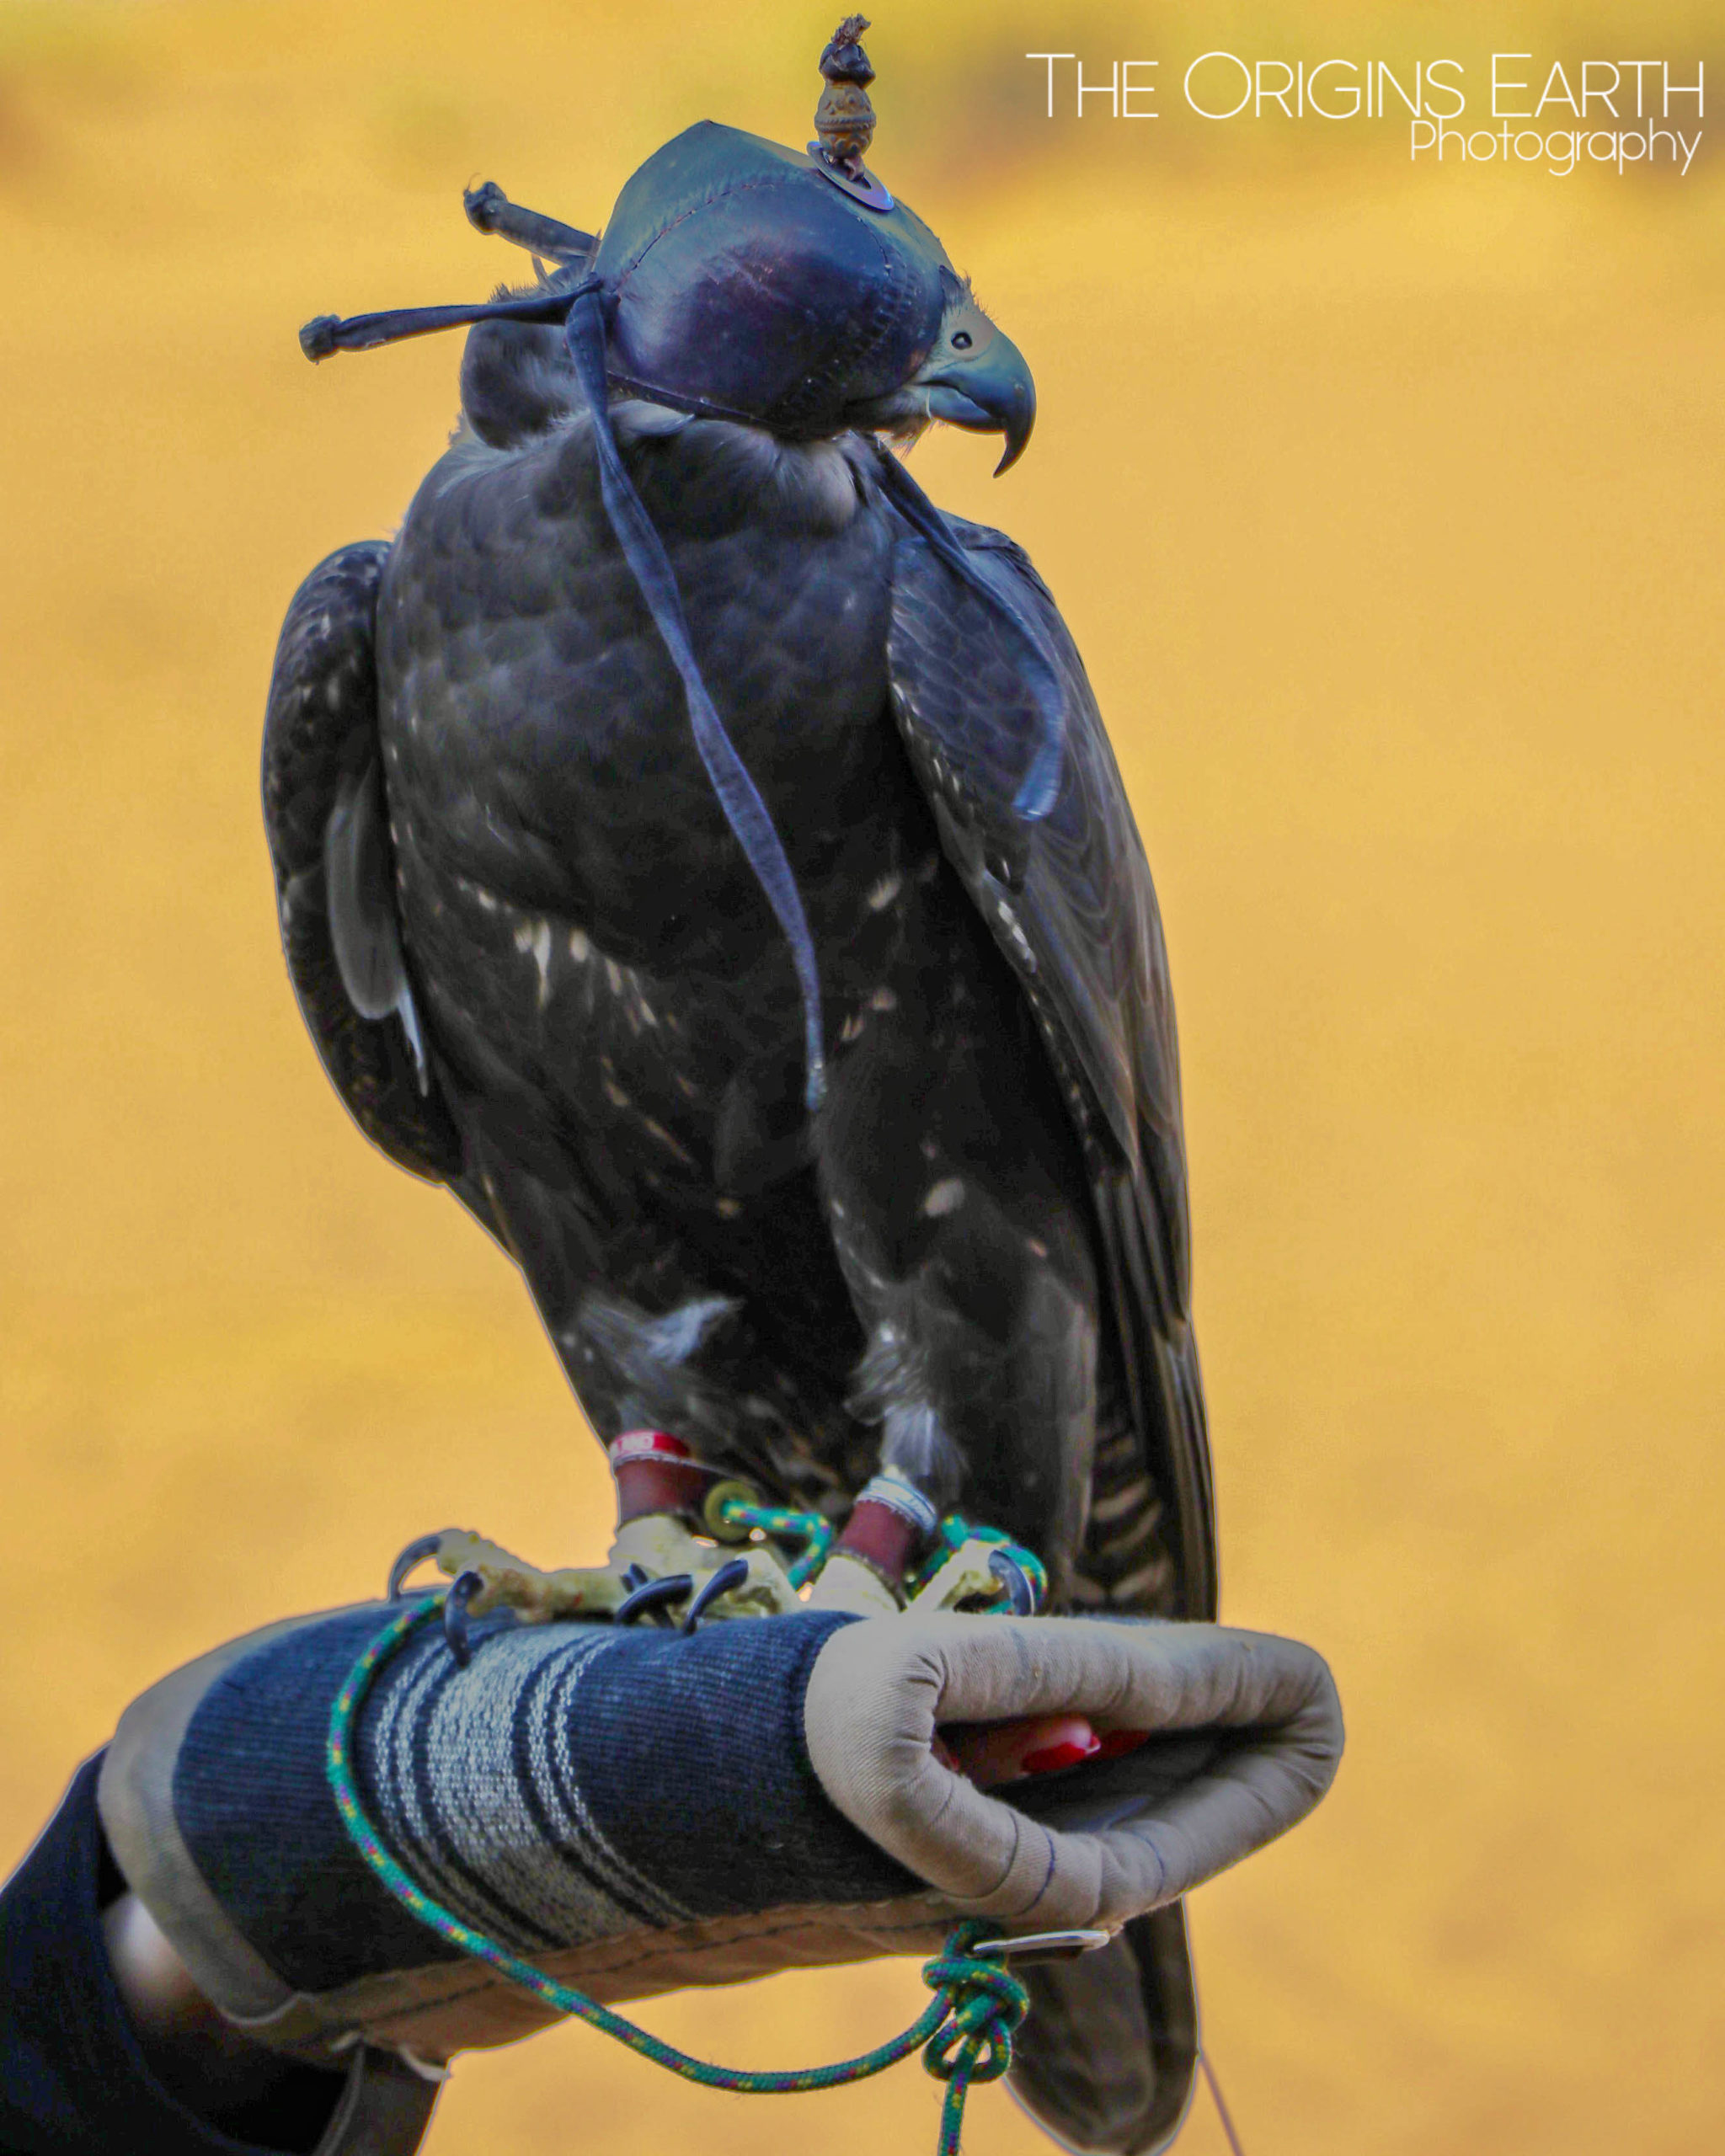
(973, 376)
(750, 281)
(738, 279)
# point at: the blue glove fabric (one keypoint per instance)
(574, 1782)
(683, 1791)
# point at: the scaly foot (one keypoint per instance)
(655, 1565)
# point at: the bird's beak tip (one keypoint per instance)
(1017, 438)
(1012, 408)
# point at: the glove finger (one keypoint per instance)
(1247, 1736)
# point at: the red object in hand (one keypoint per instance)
(1070, 1748)
(1117, 1743)
(988, 1753)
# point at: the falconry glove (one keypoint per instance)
(636, 1809)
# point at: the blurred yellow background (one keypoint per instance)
(1385, 503)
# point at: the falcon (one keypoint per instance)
(708, 859)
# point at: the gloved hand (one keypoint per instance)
(636, 1810)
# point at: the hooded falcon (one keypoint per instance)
(706, 859)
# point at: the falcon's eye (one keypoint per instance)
(961, 341)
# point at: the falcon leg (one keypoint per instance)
(657, 1559)
(491, 1577)
(891, 1525)
(712, 1581)
(958, 1211)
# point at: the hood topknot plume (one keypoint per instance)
(844, 119)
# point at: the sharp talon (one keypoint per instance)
(1021, 1588)
(455, 1616)
(732, 1573)
(421, 1547)
(653, 1595)
(636, 1576)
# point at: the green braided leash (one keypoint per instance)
(954, 1531)
(812, 1529)
(815, 1532)
(964, 2034)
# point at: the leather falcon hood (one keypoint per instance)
(743, 280)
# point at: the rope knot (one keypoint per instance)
(986, 2003)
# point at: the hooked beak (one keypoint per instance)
(993, 393)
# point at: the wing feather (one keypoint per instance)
(325, 818)
(1070, 903)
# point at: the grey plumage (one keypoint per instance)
(980, 1245)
